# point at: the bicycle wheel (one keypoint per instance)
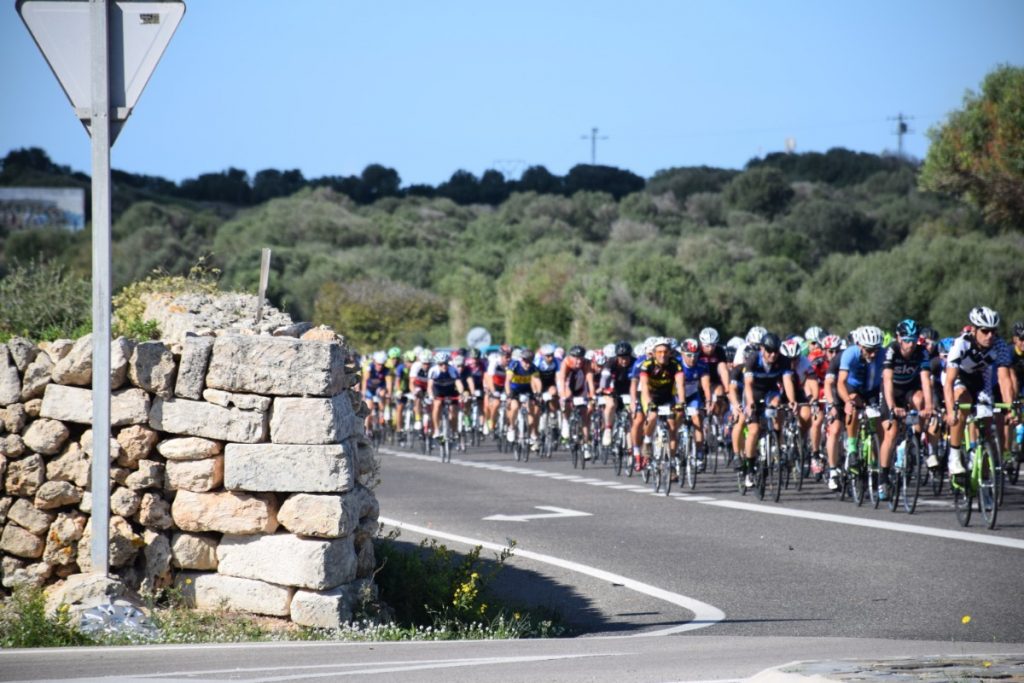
(990, 484)
(691, 463)
(779, 469)
(798, 460)
(671, 463)
(574, 449)
(962, 499)
(761, 475)
(1011, 468)
(873, 471)
(913, 474)
(938, 474)
(858, 482)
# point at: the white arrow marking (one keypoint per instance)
(555, 513)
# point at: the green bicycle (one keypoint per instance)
(984, 477)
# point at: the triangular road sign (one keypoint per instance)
(138, 35)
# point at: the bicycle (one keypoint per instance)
(620, 437)
(445, 431)
(794, 449)
(688, 447)
(769, 468)
(576, 432)
(663, 461)
(984, 476)
(909, 468)
(501, 423)
(867, 449)
(548, 427)
(1012, 455)
(714, 441)
(522, 429)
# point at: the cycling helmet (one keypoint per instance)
(831, 341)
(770, 342)
(756, 334)
(458, 361)
(708, 335)
(814, 334)
(559, 353)
(394, 352)
(441, 357)
(577, 351)
(790, 348)
(608, 351)
(410, 357)
(379, 357)
(547, 350)
(425, 356)
(624, 348)
(600, 359)
(869, 337)
(475, 353)
(945, 345)
(983, 316)
(734, 343)
(659, 341)
(1018, 329)
(517, 354)
(929, 333)
(907, 328)
(526, 352)
(690, 346)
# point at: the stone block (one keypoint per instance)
(21, 542)
(288, 560)
(156, 573)
(73, 404)
(36, 376)
(113, 447)
(23, 352)
(13, 418)
(149, 475)
(57, 349)
(46, 436)
(75, 367)
(323, 516)
(123, 544)
(10, 381)
(325, 609)
(216, 591)
(120, 354)
(154, 512)
(32, 407)
(55, 494)
(226, 512)
(62, 539)
(199, 418)
(5, 507)
(12, 446)
(196, 475)
(276, 366)
(194, 551)
(195, 359)
(124, 501)
(72, 465)
(312, 420)
(25, 476)
(136, 442)
(152, 368)
(86, 590)
(274, 467)
(189, 448)
(228, 399)
(33, 520)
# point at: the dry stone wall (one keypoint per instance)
(238, 470)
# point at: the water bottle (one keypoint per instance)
(901, 451)
(1019, 434)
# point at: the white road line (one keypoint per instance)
(704, 615)
(949, 534)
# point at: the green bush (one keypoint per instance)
(42, 302)
(24, 622)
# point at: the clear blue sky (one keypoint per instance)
(329, 86)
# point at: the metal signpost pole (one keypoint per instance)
(99, 22)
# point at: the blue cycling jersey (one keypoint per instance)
(863, 377)
(691, 377)
(634, 372)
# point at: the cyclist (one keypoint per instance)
(832, 346)
(614, 383)
(860, 381)
(494, 385)
(418, 378)
(443, 384)
(377, 386)
(906, 384)
(713, 355)
(814, 386)
(400, 385)
(969, 375)
(522, 381)
(547, 368)
(697, 391)
(763, 374)
(661, 383)
(804, 381)
(575, 379)
(636, 430)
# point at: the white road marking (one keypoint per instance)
(553, 513)
(704, 615)
(949, 534)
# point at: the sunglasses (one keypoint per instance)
(986, 330)
(831, 350)
(689, 354)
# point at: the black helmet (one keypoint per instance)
(577, 351)
(771, 342)
(930, 333)
(475, 353)
(1018, 329)
(623, 348)
(907, 328)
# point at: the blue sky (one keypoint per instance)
(329, 86)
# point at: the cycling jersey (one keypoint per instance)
(660, 378)
(375, 377)
(548, 371)
(712, 360)
(497, 372)
(518, 377)
(444, 378)
(474, 367)
(818, 360)
(576, 379)
(634, 371)
(863, 377)
(974, 363)
(906, 372)
(691, 380)
(615, 378)
(767, 376)
(401, 379)
(1017, 365)
(418, 376)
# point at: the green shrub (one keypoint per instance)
(24, 622)
(43, 302)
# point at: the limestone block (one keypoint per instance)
(195, 358)
(86, 504)
(75, 367)
(288, 560)
(72, 465)
(25, 515)
(120, 354)
(154, 512)
(46, 436)
(10, 381)
(225, 511)
(273, 467)
(189, 448)
(62, 539)
(276, 366)
(23, 352)
(86, 590)
(5, 507)
(324, 609)
(194, 551)
(36, 377)
(228, 399)
(150, 475)
(25, 476)
(123, 544)
(368, 507)
(216, 591)
(57, 349)
(28, 575)
(3, 467)
(312, 420)
(136, 442)
(32, 407)
(157, 553)
(196, 475)
(322, 516)
(119, 475)
(114, 448)
(12, 446)
(72, 404)
(55, 494)
(199, 418)
(21, 542)
(152, 368)
(14, 418)
(124, 501)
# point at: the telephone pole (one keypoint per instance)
(594, 137)
(901, 129)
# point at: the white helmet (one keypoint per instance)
(380, 357)
(425, 356)
(734, 343)
(790, 348)
(547, 350)
(755, 334)
(441, 357)
(659, 341)
(868, 336)
(813, 334)
(517, 354)
(708, 335)
(608, 350)
(983, 316)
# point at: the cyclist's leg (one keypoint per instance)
(956, 431)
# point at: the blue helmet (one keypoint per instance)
(945, 345)
(907, 328)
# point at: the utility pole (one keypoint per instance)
(594, 137)
(901, 130)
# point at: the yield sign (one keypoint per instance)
(139, 33)
(552, 514)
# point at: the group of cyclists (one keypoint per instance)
(826, 382)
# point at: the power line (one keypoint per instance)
(594, 137)
(901, 129)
